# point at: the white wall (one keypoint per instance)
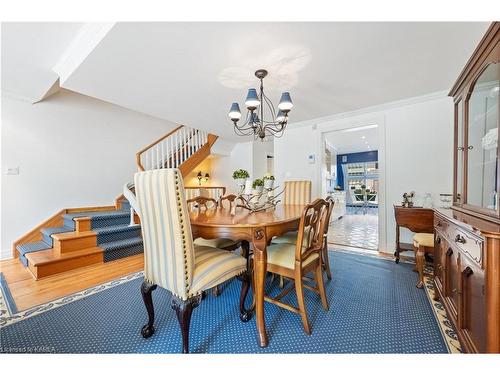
(290, 154)
(72, 151)
(260, 151)
(418, 150)
(223, 166)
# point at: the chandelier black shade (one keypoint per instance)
(260, 108)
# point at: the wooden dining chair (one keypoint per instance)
(291, 237)
(231, 198)
(171, 260)
(202, 202)
(295, 261)
(220, 243)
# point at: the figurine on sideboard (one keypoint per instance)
(408, 199)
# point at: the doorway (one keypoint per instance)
(351, 177)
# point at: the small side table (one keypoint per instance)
(416, 219)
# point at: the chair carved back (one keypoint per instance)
(311, 230)
(202, 202)
(231, 198)
(297, 192)
(331, 203)
(166, 231)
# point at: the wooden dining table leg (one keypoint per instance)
(260, 268)
(245, 278)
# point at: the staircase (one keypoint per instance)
(78, 237)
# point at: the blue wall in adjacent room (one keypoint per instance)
(355, 157)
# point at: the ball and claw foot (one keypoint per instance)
(420, 285)
(246, 316)
(147, 331)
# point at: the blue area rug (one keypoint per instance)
(374, 308)
(9, 302)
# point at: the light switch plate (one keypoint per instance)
(12, 171)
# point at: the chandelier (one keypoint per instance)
(259, 107)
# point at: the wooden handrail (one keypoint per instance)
(139, 153)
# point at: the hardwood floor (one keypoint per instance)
(28, 292)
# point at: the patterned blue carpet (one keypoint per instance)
(374, 308)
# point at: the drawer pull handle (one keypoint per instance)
(455, 290)
(459, 239)
(438, 240)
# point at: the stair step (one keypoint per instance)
(99, 219)
(49, 262)
(122, 248)
(74, 241)
(48, 232)
(116, 233)
(30, 247)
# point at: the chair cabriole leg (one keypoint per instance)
(146, 291)
(183, 310)
(420, 261)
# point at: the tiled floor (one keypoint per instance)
(356, 230)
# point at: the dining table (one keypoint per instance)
(250, 228)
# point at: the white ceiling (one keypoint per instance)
(191, 72)
(346, 142)
(29, 52)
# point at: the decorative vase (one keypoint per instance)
(240, 181)
(268, 184)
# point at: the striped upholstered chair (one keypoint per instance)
(171, 260)
(296, 192)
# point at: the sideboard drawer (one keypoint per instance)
(440, 224)
(467, 242)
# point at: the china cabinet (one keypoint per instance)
(467, 237)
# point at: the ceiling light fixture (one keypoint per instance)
(258, 103)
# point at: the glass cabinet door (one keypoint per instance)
(459, 166)
(482, 140)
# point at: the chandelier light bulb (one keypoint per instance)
(234, 112)
(285, 103)
(280, 116)
(252, 101)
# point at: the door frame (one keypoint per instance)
(349, 123)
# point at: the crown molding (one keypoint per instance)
(371, 109)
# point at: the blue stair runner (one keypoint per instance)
(114, 234)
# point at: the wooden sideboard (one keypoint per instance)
(467, 280)
(467, 237)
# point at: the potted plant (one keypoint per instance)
(240, 175)
(258, 185)
(268, 181)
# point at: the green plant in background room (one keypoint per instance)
(240, 175)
